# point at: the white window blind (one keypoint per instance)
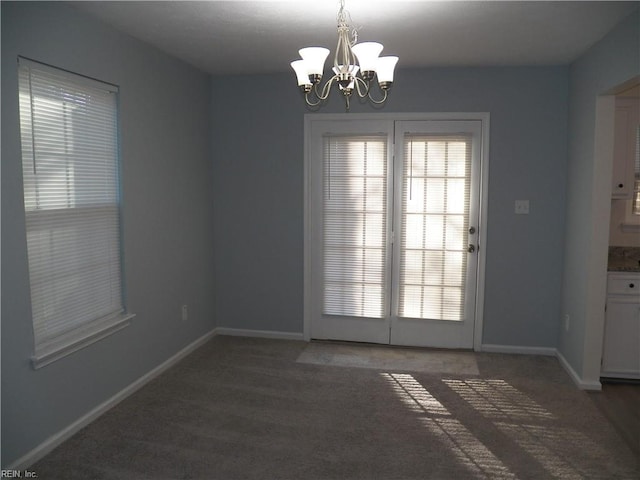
(433, 256)
(355, 226)
(635, 208)
(70, 172)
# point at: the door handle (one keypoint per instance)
(471, 248)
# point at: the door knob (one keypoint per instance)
(471, 248)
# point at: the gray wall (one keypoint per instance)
(167, 222)
(258, 171)
(612, 61)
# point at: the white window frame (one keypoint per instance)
(72, 205)
(309, 118)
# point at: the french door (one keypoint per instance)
(393, 230)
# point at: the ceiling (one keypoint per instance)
(251, 37)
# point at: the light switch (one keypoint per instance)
(522, 207)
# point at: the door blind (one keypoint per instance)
(355, 226)
(434, 226)
(70, 171)
(635, 202)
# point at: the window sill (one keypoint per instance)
(58, 348)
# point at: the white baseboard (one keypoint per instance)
(580, 383)
(515, 349)
(548, 351)
(241, 332)
(54, 441)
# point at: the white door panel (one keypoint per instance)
(436, 205)
(351, 221)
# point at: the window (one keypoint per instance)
(69, 139)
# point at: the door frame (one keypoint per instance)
(484, 118)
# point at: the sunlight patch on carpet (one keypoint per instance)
(562, 451)
(390, 358)
(465, 447)
(498, 399)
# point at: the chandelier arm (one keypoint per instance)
(362, 83)
(378, 102)
(316, 93)
(326, 89)
(309, 102)
(321, 95)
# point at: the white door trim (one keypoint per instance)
(484, 118)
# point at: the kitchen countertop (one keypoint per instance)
(624, 259)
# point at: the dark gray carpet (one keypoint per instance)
(242, 408)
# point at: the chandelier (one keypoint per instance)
(350, 59)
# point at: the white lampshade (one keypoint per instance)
(385, 67)
(367, 53)
(302, 74)
(314, 58)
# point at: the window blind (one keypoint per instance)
(635, 205)
(70, 173)
(355, 226)
(435, 197)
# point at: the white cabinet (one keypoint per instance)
(626, 124)
(621, 349)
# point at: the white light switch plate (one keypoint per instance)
(522, 207)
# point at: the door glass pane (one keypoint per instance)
(434, 225)
(355, 226)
